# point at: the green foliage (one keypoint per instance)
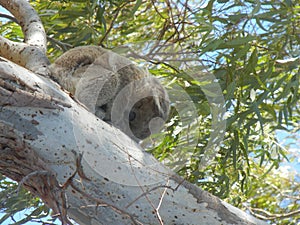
(14, 199)
(252, 50)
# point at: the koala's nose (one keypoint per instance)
(132, 116)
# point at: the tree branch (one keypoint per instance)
(42, 128)
(3, 15)
(123, 180)
(32, 53)
(29, 21)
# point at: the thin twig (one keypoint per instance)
(148, 192)
(12, 18)
(112, 23)
(271, 216)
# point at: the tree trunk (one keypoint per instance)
(80, 166)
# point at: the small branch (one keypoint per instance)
(159, 205)
(32, 53)
(112, 23)
(151, 60)
(157, 11)
(63, 46)
(271, 216)
(45, 185)
(30, 22)
(30, 57)
(144, 192)
(13, 19)
(104, 204)
(29, 176)
(99, 202)
(149, 192)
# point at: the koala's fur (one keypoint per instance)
(113, 88)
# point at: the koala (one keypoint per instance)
(114, 89)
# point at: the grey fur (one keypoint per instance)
(113, 88)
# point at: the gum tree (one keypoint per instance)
(232, 48)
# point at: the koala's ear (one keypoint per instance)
(79, 56)
(83, 60)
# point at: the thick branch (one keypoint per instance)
(77, 164)
(93, 172)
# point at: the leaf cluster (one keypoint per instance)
(14, 199)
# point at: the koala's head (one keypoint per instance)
(148, 116)
(141, 108)
(113, 88)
